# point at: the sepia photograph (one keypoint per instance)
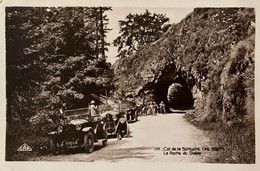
(122, 84)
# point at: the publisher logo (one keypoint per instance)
(24, 147)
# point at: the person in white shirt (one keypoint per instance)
(93, 109)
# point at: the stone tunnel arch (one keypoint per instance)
(175, 93)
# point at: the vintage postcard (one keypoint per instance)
(129, 84)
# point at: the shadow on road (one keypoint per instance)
(80, 150)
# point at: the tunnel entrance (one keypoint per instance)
(174, 93)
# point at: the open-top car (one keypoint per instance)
(78, 131)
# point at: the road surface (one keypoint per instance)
(161, 138)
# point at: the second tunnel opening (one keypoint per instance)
(174, 93)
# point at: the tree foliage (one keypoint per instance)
(138, 30)
(54, 56)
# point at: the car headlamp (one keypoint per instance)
(59, 129)
(78, 127)
(102, 122)
(114, 117)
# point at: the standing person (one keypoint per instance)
(151, 108)
(162, 107)
(154, 108)
(121, 126)
(62, 109)
(62, 113)
(148, 109)
(93, 109)
(144, 110)
(158, 108)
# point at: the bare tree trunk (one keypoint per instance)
(102, 31)
(97, 30)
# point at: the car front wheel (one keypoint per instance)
(89, 142)
(53, 147)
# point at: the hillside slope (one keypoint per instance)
(211, 52)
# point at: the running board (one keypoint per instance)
(101, 140)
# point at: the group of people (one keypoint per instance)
(154, 109)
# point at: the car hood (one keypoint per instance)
(78, 121)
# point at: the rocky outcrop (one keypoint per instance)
(210, 52)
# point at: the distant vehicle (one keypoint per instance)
(79, 131)
(132, 115)
(116, 124)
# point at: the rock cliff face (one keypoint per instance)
(209, 53)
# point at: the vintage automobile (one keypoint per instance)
(132, 115)
(130, 109)
(116, 124)
(78, 130)
(116, 115)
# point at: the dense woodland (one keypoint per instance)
(53, 56)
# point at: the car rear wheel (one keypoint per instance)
(53, 146)
(89, 142)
